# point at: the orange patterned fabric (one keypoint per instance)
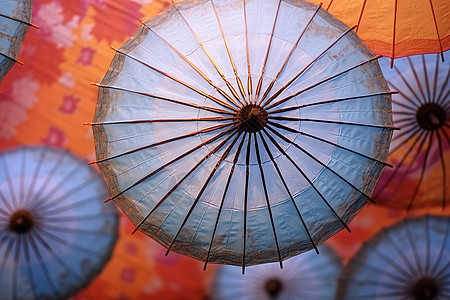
(46, 101)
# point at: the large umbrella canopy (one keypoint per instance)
(15, 17)
(409, 260)
(420, 151)
(307, 276)
(55, 232)
(396, 28)
(242, 132)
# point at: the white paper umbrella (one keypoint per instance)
(55, 232)
(242, 132)
(420, 151)
(410, 260)
(15, 17)
(308, 276)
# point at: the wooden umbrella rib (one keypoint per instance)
(437, 30)
(427, 83)
(20, 21)
(45, 269)
(247, 174)
(332, 122)
(360, 15)
(330, 101)
(233, 65)
(5, 259)
(199, 195)
(26, 250)
(287, 188)
(401, 104)
(322, 164)
(331, 143)
(442, 249)
(422, 172)
(316, 84)
(258, 87)
(436, 79)
(177, 138)
(22, 178)
(427, 247)
(443, 86)
(36, 171)
(192, 88)
(6, 204)
(194, 67)
(277, 93)
(444, 170)
(411, 237)
(166, 99)
(269, 88)
(227, 185)
(230, 87)
(249, 73)
(160, 121)
(13, 59)
(393, 33)
(68, 206)
(16, 266)
(303, 173)
(394, 285)
(172, 161)
(409, 135)
(266, 196)
(12, 191)
(200, 162)
(417, 80)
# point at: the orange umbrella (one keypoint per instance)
(396, 28)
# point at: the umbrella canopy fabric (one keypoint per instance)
(396, 28)
(15, 17)
(56, 234)
(242, 132)
(409, 260)
(420, 151)
(308, 276)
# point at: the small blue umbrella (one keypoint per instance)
(410, 260)
(308, 276)
(15, 17)
(55, 232)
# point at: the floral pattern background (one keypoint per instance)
(47, 100)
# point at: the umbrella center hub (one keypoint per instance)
(431, 116)
(425, 289)
(21, 221)
(251, 118)
(273, 287)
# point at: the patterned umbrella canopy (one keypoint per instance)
(396, 28)
(15, 17)
(242, 132)
(409, 260)
(420, 151)
(307, 276)
(55, 232)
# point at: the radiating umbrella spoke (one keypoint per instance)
(318, 161)
(422, 98)
(192, 88)
(67, 243)
(444, 170)
(247, 176)
(266, 196)
(330, 121)
(162, 121)
(296, 107)
(283, 65)
(277, 93)
(288, 191)
(184, 136)
(304, 176)
(316, 84)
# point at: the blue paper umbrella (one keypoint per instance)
(55, 232)
(242, 132)
(421, 150)
(307, 276)
(410, 260)
(15, 17)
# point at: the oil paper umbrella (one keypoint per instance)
(308, 276)
(420, 151)
(397, 28)
(409, 260)
(242, 132)
(15, 17)
(55, 232)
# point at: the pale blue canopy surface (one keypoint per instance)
(56, 233)
(242, 132)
